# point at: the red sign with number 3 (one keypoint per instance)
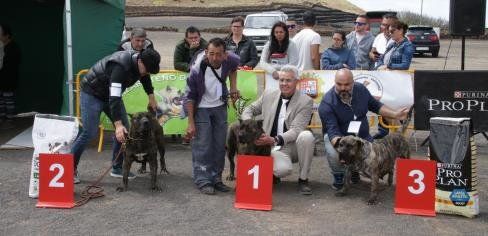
(254, 183)
(415, 187)
(56, 181)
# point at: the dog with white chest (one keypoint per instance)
(373, 159)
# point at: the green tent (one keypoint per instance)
(42, 29)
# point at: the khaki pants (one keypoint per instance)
(301, 150)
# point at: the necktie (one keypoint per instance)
(281, 116)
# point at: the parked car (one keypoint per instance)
(374, 19)
(424, 39)
(258, 26)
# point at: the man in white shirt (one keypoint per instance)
(383, 39)
(308, 43)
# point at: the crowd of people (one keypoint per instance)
(286, 112)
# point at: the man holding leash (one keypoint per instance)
(286, 113)
(343, 111)
(206, 106)
(102, 89)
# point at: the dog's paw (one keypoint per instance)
(164, 170)
(372, 201)
(230, 178)
(156, 188)
(121, 189)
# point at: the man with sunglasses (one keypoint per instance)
(383, 39)
(360, 43)
(292, 26)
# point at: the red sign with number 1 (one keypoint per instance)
(415, 187)
(56, 181)
(254, 183)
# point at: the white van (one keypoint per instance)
(258, 26)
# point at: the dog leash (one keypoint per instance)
(94, 190)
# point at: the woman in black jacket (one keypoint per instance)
(241, 45)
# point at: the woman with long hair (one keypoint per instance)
(278, 51)
(398, 55)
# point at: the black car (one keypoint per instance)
(424, 39)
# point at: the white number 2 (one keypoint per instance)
(255, 176)
(418, 180)
(54, 182)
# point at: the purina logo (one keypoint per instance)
(471, 94)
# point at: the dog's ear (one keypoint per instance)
(240, 120)
(259, 123)
(131, 115)
(336, 144)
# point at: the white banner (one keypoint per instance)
(393, 88)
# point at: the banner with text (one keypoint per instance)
(169, 89)
(451, 94)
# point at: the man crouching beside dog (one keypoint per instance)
(344, 106)
(286, 113)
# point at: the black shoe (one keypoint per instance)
(207, 189)
(304, 187)
(276, 180)
(221, 187)
(355, 177)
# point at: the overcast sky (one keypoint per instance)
(433, 8)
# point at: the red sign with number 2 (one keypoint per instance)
(254, 183)
(415, 187)
(56, 181)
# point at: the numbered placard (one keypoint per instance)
(254, 184)
(56, 181)
(415, 187)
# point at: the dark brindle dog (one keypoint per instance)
(374, 159)
(240, 139)
(145, 139)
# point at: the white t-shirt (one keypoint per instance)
(359, 37)
(303, 40)
(213, 89)
(380, 43)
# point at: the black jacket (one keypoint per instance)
(9, 74)
(117, 69)
(246, 50)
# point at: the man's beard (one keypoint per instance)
(346, 97)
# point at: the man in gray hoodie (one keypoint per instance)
(360, 42)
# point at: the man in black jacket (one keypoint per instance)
(102, 89)
(9, 77)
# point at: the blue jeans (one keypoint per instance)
(91, 109)
(208, 146)
(332, 157)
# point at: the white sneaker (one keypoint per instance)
(76, 179)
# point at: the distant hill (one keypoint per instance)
(221, 8)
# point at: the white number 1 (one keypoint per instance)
(54, 182)
(255, 176)
(418, 180)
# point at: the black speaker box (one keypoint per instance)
(467, 17)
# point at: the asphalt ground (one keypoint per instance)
(180, 209)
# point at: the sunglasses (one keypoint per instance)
(359, 23)
(291, 26)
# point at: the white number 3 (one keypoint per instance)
(54, 182)
(418, 180)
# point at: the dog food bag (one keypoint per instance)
(50, 134)
(452, 146)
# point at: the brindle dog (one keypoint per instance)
(145, 139)
(374, 159)
(240, 139)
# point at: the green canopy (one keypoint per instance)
(40, 27)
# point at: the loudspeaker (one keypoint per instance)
(467, 17)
